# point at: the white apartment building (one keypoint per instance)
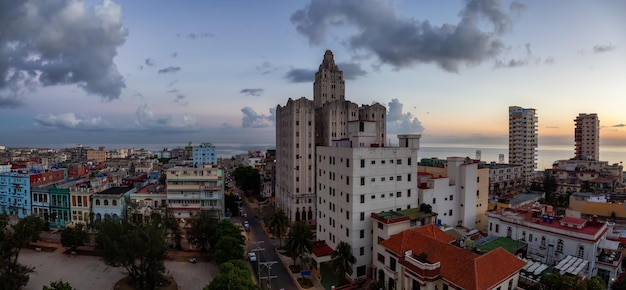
(573, 245)
(204, 153)
(523, 139)
(504, 178)
(587, 137)
(458, 192)
(355, 178)
(194, 189)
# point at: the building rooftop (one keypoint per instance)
(118, 190)
(402, 215)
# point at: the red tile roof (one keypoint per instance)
(321, 249)
(460, 267)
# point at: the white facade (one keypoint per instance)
(504, 178)
(523, 139)
(587, 137)
(194, 189)
(552, 240)
(354, 182)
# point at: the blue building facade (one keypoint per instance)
(204, 153)
(15, 194)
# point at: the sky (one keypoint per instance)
(147, 72)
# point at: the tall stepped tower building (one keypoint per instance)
(302, 124)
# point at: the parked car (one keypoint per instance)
(252, 256)
(246, 226)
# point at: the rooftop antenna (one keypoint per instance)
(501, 158)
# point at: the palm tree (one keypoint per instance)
(278, 224)
(342, 260)
(299, 240)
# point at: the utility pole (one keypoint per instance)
(263, 265)
(269, 276)
(258, 249)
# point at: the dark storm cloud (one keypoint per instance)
(351, 71)
(10, 102)
(252, 119)
(399, 122)
(169, 69)
(603, 48)
(300, 75)
(58, 42)
(378, 24)
(149, 62)
(252, 92)
(194, 36)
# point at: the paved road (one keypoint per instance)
(256, 234)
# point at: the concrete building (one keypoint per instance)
(571, 175)
(424, 258)
(97, 156)
(302, 124)
(572, 245)
(111, 203)
(356, 178)
(204, 153)
(504, 178)
(15, 193)
(194, 189)
(457, 190)
(523, 140)
(587, 137)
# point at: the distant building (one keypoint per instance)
(571, 175)
(97, 156)
(15, 193)
(204, 153)
(587, 137)
(111, 203)
(523, 140)
(194, 189)
(504, 178)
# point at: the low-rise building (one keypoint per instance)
(111, 203)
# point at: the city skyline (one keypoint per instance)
(108, 72)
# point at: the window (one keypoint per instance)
(408, 161)
(362, 198)
(362, 234)
(97, 202)
(559, 246)
(114, 202)
(362, 180)
(363, 216)
(392, 263)
(106, 202)
(347, 214)
(450, 212)
(348, 162)
(373, 162)
(399, 161)
(361, 251)
(381, 258)
(497, 228)
(380, 225)
(434, 200)
(362, 163)
(408, 193)
(490, 227)
(451, 197)
(543, 242)
(398, 194)
(581, 252)
(399, 178)
(347, 233)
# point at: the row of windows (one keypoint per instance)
(391, 161)
(383, 178)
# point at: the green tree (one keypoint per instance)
(342, 260)
(75, 237)
(248, 179)
(59, 285)
(173, 230)
(596, 283)
(619, 284)
(162, 178)
(201, 228)
(278, 225)
(227, 248)
(299, 240)
(13, 238)
(233, 275)
(139, 248)
(225, 228)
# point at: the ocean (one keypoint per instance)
(546, 155)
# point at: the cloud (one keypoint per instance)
(300, 75)
(71, 121)
(10, 102)
(169, 69)
(377, 24)
(172, 91)
(146, 119)
(603, 48)
(194, 36)
(47, 43)
(149, 61)
(618, 125)
(252, 92)
(529, 59)
(180, 99)
(401, 123)
(174, 54)
(252, 119)
(172, 83)
(351, 71)
(266, 68)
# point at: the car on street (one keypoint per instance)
(246, 225)
(252, 256)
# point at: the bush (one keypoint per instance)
(305, 283)
(294, 268)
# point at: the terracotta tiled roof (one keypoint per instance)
(460, 267)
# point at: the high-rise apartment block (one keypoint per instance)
(523, 139)
(587, 137)
(204, 153)
(194, 189)
(302, 124)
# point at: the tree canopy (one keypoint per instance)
(201, 228)
(342, 260)
(13, 238)
(299, 240)
(234, 275)
(248, 179)
(278, 224)
(59, 285)
(74, 237)
(139, 248)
